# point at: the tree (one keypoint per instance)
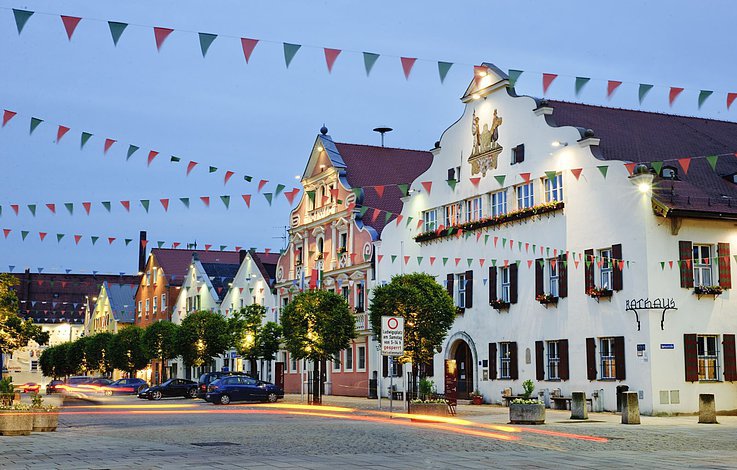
(317, 326)
(126, 350)
(61, 359)
(48, 362)
(428, 313)
(77, 355)
(15, 332)
(268, 340)
(97, 353)
(202, 335)
(159, 340)
(244, 328)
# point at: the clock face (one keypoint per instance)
(280, 274)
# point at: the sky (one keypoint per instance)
(261, 118)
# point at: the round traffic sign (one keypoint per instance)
(392, 323)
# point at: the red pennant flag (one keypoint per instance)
(511, 244)
(207, 247)
(525, 177)
(205, 200)
(64, 284)
(127, 205)
(87, 206)
(7, 116)
(407, 64)
(406, 259)
(261, 184)
(290, 195)
(674, 92)
(529, 263)
(52, 208)
(266, 250)
(575, 262)
(70, 24)
(730, 99)
(160, 34)
(481, 262)
(108, 143)
(527, 247)
(248, 46)
(548, 80)
(165, 203)
(110, 240)
(685, 163)
(247, 199)
(432, 260)
(427, 185)
(190, 166)
(611, 86)
(42, 235)
(151, 155)
(375, 215)
(379, 190)
(144, 243)
(478, 236)
(334, 193)
(325, 200)
(238, 248)
(15, 208)
(621, 264)
(458, 260)
(576, 172)
(630, 167)
(475, 181)
(175, 245)
(496, 240)
(506, 263)
(60, 133)
(77, 238)
(7, 231)
(379, 257)
(330, 56)
(419, 223)
(670, 263)
(228, 174)
(399, 219)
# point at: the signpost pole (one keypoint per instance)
(391, 384)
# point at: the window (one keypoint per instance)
(499, 203)
(460, 281)
(343, 242)
(345, 292)
(148, 304)
(702, 265)
(505, 360)
(525, 196)
(298, 257)
(336, 363)
(554, 276)
(554, 188)
(605, 256)
(140, 309)
(608, 362)
(148, 278)
(156, 309)
(431, 220)
(34, 366)
(708, 357)
(506, 277)
(474, 209)
(453, 214)
(518, 154)
(361, 356)
(163, 302)
(360, 297)
(154, 273)
(348, 365)
(553, 361)
(292, 363)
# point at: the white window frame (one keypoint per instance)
(345, 292)
(703, 274)
(148, 305)
(140, 308)
(505, 360)
(553, 277)
(460, 282)
(607, 359)
(606, 273)
(474, 209)
(505, 281)
(337, 362)
(155, 308)
(348, 356)
(499, 203)
(359, 348)
(453, 214)
(360, 296)
(292, 363)
(525, 195)
(553, 359)
(163, 302)
(708, 358)
(431, 220)
(554, 188)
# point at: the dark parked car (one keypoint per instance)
(122, 386)
(207, 378)
(242, 388)
(170, 388)
(52, 386)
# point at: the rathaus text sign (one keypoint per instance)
(392, 336)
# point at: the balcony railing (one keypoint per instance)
(362, 322)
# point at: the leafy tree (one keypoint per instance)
(48, 362)
(126, 350)
(244, 328)
(201, 336)
(159, 340)
(97, 352)
(317, 326)
(428, 313)
(77, 355)
(61, 358)
(269, 341)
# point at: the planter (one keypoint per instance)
(598, 294)
(477, 400)
(16, 423)
(428, 409)
(45, 421)
(527, 413)
(499, 305)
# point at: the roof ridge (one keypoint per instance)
(380, 147)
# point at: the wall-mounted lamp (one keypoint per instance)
(558, 143)
(475, 96)
(642, 178)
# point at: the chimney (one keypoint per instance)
(142, 252)
(241, 256)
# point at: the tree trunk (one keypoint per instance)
(253, 366)
(162, 376)
(316, 384)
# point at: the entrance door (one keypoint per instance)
(464, 361)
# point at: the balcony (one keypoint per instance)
(363, 322)
(321, 212)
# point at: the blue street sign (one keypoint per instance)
(667, 346)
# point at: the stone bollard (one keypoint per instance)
(707, 409)
(579, 409)
(630, 408)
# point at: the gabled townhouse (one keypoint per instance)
(350, 192)
(583, 249)
(114, 309)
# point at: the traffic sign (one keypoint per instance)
(392, 336)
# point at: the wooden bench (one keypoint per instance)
(564, 403)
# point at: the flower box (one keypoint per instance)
(16, 422)
(708, 290)
(546, 299)
(499, 304)
(45, 420)
(600, 293)
(526, 413)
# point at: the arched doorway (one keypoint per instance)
(465, 367)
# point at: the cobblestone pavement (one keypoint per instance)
(194, 434)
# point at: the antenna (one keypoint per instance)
(285, 236)
(382, 131)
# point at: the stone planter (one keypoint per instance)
(16, 423)
(45, 421)
(527, 414)
(428, 409)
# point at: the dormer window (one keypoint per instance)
(669, 172)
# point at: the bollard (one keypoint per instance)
(630, 408)
(579, 410)
(707, 409)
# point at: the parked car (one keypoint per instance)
(123, 386)
(28, 387)
(209, 377)
(242, 388)
(52, 387)
(170, 388)
(100, 381)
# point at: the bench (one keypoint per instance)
(564, 403)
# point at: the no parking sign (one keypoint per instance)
(392, 336)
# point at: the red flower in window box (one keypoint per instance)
(546, 299)
(499, 304)
(708, 290)
(599, 292)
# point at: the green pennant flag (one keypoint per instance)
(226, 201)
(533, 248)
(116, 30)
(394, 258)
(127, 241)
(106, 205)
(419, 260)
(504, 242)
(712, 159)
(94, 239)
(657, 166)
(362, 211)
(160, 243)
(541, 263)
(513, 76)
(174, 159)
(628, 264)
(580, 83)
(643, 91)
(387, 216)
(703, 95)
(34, 124)
(145, 204)
(290, 50)
(662, 265)
(443, 68)
(603, 169)
(278, 190)
(500, 179)
(588, 262)
(206, 40)
(486, 239)
(518, 263)
(85, 137)
(445, 261)
(248, 178)
(547, 252)
(32, 208)
(185, 201)
(311, 195)
(369, 59)
(23, 234)
(493, 262)
(268, 197)
(452, 183)
(213, 169)
(519, 246)
(21, 18)
(550, 175)
(223, 247)
(250, 290)
(404, 188)
(131, 150)
(409, 219)
(469, 260)
(59, 236)
(70, 207)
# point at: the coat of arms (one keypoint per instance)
(485, 149)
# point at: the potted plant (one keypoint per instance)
(7, 391)
(427, 402)
(527, 410)
(499, 304)
(708, 290)
(477, 398)
(45, 417)
(599, 292)
(546, 299)
(16, 419)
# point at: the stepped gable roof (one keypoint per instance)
(266, 263)
(646, 137)
(220, 274)
(369, 165)
(175, 262)
(122, 299)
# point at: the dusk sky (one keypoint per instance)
(261, 118)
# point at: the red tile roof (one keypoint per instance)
(266, 263)
(175, 262)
